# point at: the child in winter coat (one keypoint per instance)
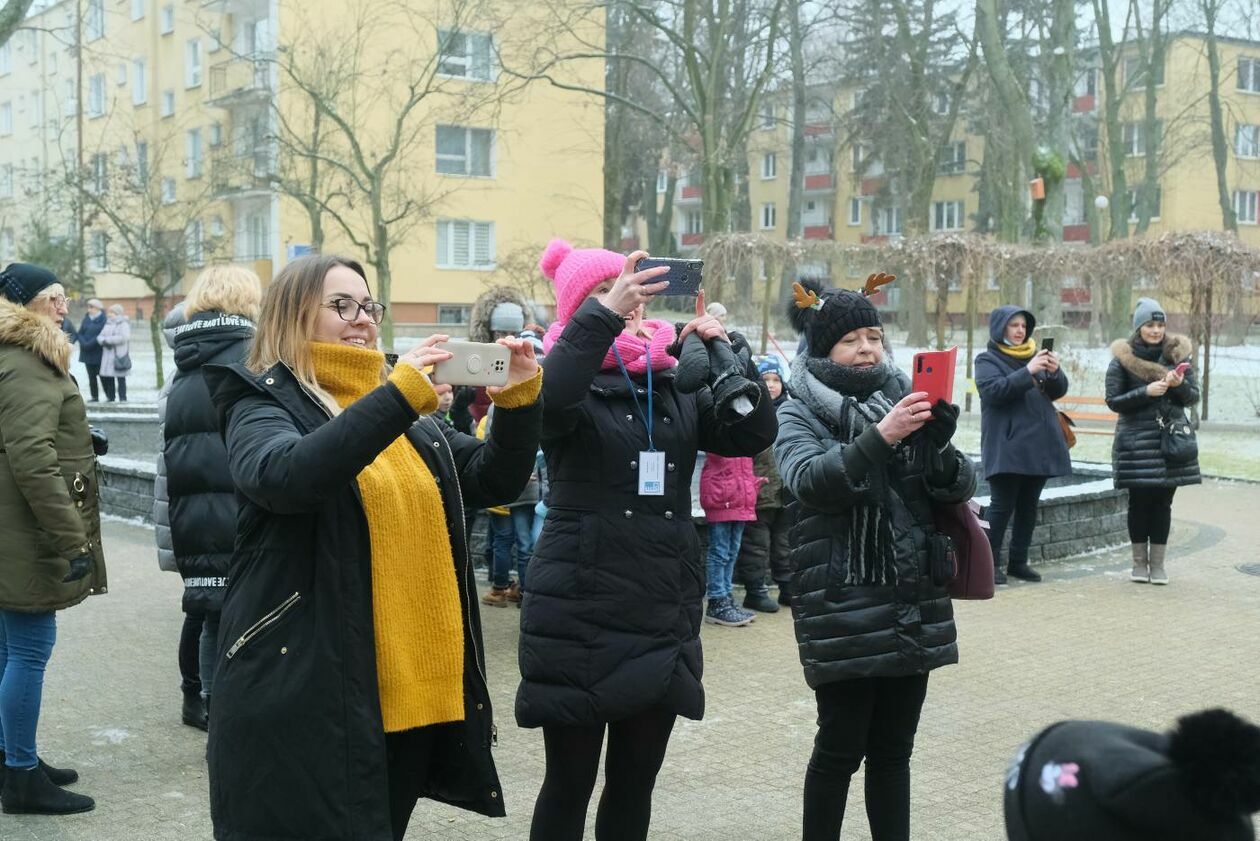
(728, 494)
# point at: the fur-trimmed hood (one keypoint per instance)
(30, 331)
(483, 307)
(1177, 349)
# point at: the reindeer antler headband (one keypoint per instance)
(809, 300)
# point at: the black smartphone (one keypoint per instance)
(1047, 344)
(685, 276)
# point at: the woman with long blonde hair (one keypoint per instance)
(351, 680)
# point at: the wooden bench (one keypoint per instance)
(1092, 410)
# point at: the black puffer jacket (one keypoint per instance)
(1136, 455)
(201, 507)
(610, 623)
(297, 745)
(853, 631)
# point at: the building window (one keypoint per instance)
(695, 222)
(142, 162)
(140, 81)
(1245, 206)
(1133, 204)
(100, 251)
(216, 134)
(216, 227)
(94, 20)
(1135, 73)
(100, 174)
(193, 156)
(168, 191)
(464, 151)
(138, 9)
(194, 243)
(1133, 136)
(888, 221)
(769, 216)
(859, 155)
(192, 63)
(120, 75)
(952, 158)
(463, 244)
(257, 236)
(6, 118)
(662, 181)
(1247, 141)
(940, 104)
(767, 115)
(855, 211)
(167, 22)
(769, 165)
(96, 95)
(453, 313)
(947, 216)
(168, 103)
(1249, 74)
(468, 55)
(1089, 143)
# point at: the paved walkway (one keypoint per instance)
(1086, 643)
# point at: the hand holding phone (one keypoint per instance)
(1182, 368)
(685, 276)
(633, 287)
(472, 363)
(1177, 375)
(934, 375)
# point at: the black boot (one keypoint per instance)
(194, 710)
(30, 792)
(58, 776)
(999, 574)
(758, 598)
(785, 593)
(1022, 571)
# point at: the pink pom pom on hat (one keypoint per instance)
(576, 271)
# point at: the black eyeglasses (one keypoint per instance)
(349, 309)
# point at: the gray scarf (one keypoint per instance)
(869, 541)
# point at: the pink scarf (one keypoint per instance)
(635, 351)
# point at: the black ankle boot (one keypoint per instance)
(785, 593)
(194, 710)
(1023, 572)
(58, 776)
(30, 792)
(758, 599)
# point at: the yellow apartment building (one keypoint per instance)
(192, 97)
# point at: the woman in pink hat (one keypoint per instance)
(610, 625)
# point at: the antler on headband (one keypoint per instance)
(806, 300)
(874, 281)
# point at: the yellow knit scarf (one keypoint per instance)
(416, 609)
(1024, 351)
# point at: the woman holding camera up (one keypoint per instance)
(1150, 385)
(610, 626)
(351, 679)
(865, 458)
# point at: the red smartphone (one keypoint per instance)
(934, 374)
(1182, 368)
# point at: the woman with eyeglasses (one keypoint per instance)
(50, 557)
(351, 678)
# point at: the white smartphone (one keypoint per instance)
(473, 363)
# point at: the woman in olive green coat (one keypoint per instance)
(50, 556)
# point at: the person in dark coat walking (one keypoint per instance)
(89, 348)
(351, 677)
(219, 315)
(1021, 442)
(610, 623)
(865, 459)
(1145, 388)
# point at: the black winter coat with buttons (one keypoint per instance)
(610, 623)
(297, 747)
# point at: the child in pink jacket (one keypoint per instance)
(728, 494)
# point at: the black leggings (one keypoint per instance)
(1150, 514)
(873, 718)
(190, 651)
(1012, 493)
(409, 757)
(93, 372)
(636, 749)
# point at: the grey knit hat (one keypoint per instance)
(1148, 309)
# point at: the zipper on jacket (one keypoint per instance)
(263, 624)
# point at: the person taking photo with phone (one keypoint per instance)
(351, 680)
(1150, 385)
(610, 624)
(865, 459)
(1021, 442)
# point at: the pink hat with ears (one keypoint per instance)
(575, 272)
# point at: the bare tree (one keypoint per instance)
(12, 13)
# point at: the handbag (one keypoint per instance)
(122, 363)
(973, 576)
(1065, 425)
(1177, 440)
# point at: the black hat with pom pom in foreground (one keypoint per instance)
(1095, 781)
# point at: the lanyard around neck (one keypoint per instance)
(647, 418)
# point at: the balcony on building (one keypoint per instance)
(691, 240)
(817, 232)
(819, 182)
(688, 194)
(1078, 232)
(242, 176)
(240, 80)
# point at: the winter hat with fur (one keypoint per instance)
(825, 315)
(575, 272)
(1147, 309)
(1096, 781)
(507, 317)
(21, 282)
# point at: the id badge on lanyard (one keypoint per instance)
(651, 462)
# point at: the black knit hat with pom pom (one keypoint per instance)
(833, 313)
(1095, 781)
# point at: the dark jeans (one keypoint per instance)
(208, 652)
(636, 749)
(107, 383)
(873, 718)
(515, 530)
(26, 643)
(1012, 493)
(190, 651)
(1150, 514)
(93, 371)
(765, 550)
(410, 756)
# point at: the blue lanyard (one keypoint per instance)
(647, 419)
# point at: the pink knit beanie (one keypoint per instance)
(575, 272)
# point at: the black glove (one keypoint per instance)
(79, 567)
(944, 423)
(100, 441)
